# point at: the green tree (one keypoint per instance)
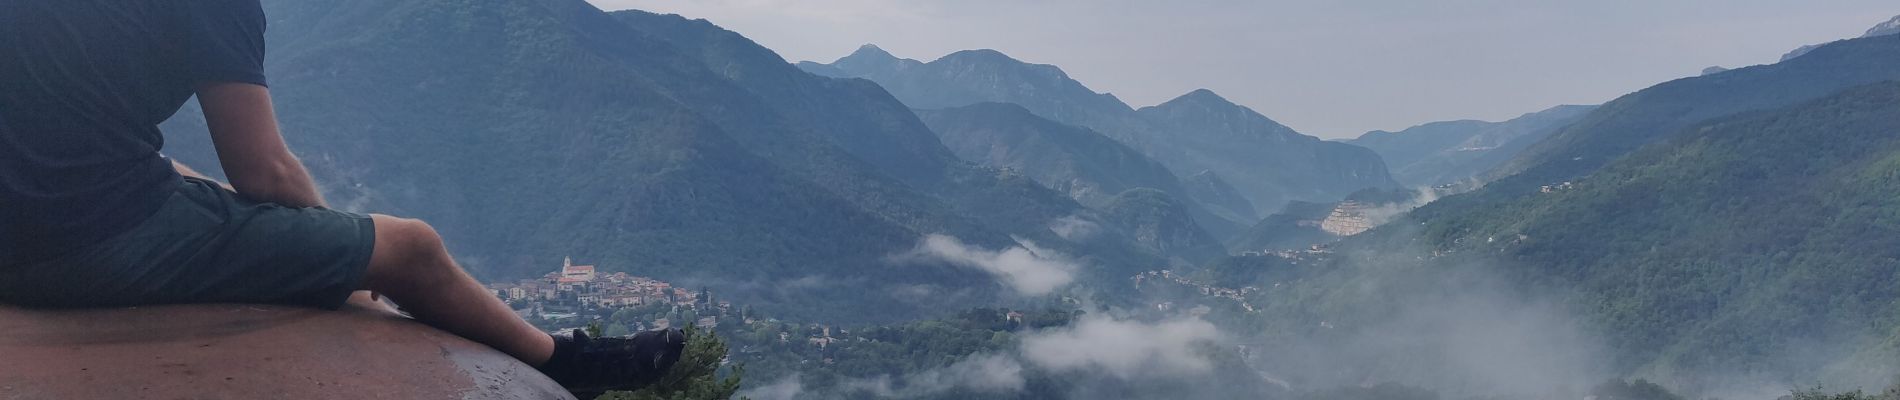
(696, 376)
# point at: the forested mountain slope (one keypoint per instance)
(1762, 247)
(1655, 113)
(1086, 165)
(532, 130)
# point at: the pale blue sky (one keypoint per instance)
(1327, 68)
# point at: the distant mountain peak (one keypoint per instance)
(868, 52)
(981, 55)
(1201, 98)
(1890, 27)
(867, 59)
(1206, 94)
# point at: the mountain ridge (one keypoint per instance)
(1452, 152)
(1891, 27)
(1271, 168)
(632, 153)
(1658, 111)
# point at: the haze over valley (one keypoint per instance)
(971, 225)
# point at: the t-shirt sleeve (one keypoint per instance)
(225, 40)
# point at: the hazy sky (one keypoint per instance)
(1329, 68)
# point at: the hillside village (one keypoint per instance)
(575, 291)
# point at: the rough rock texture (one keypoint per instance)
(1347, 219)
(249, 352)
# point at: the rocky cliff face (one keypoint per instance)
(1347, 219)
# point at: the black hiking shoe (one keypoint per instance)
(589, 367)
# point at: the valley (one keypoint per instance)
(979, 226)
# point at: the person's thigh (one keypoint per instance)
(207, 246)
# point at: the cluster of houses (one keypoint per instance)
(1292, 256)
(1168, 276)
(583, 286)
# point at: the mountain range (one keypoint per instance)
(1267, 163)
(528, 131)
(1700, 227)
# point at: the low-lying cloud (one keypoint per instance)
(989, 373)
(1027, 268)
(1382, 214)
(1123, 348)
(1094, 346)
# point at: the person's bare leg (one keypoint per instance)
(410, 266)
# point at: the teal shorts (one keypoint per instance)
(207, 245)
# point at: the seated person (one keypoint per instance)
(91, 215)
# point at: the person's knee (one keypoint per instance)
(409, 253)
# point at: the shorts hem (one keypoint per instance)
(358, 266)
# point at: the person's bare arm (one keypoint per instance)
(244, 131)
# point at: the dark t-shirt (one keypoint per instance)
(83, 87)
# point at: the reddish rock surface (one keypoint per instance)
(249, 352)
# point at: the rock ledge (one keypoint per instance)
(249, 352)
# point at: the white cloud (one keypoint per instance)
(1126, 349)
(1095, 345)
(1385, 213)
(991, 373)
(983, 373)
(1026, 268)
